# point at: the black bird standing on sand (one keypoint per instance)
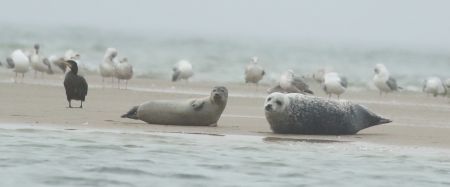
(76, 86)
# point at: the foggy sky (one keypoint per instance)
(395, 22)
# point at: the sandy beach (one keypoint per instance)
(418, 120)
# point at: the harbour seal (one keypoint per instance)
(193, 112)
(301, 114)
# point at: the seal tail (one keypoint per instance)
(383, 121)
(132, 114)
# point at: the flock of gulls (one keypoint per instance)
(112, 68)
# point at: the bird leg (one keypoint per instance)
(81, 106)
(112, 82)
(23, 75)
(70, 104)
(126, 84)
(15, 80)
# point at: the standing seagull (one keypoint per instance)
(57, 64)
(124, 71)
(38, 63)
(334, 84)
(19, 62)
(9, 63)
(107, 67)
(254, 72)
(447, 83)
(434, 86)
(182, 70)
(75, 85)
(290, 83)
(383, 81)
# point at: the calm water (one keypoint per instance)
(31, 157)
(223, 60)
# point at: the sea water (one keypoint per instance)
(224, 59)
(52, 157)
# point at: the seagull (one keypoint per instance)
(434, 86)
(20, 62)
(383, 81)
(9, 63)
(124, 71)
(254, 72)
(447, 83)
(182, 70)
(38, 63)
(107, 67)
(75, 85)
(70, 54)
(319, 75)
(290, 83)
(57, 64)
(334, 84)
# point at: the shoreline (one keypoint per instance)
(418, 121)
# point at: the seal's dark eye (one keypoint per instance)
(278, 102)
(268, 99)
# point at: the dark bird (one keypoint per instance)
(75, 85)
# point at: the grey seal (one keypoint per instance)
(192, 112)
(301, 114)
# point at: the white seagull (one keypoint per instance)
(74, 55)
(108, 66)
(57, 64)
(290, 83)
(182, 70)
(254, 72)
(334, 84)
(38, 63)
(434, 86)
(20, 62)
(383, 81)
(124, 71)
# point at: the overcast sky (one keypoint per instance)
(404, 22)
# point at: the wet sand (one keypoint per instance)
(419, 121)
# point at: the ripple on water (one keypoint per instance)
(119, 170)
(84, 181)
(102, 147)
(190, 176)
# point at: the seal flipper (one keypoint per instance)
(132, 114)
(197, 105)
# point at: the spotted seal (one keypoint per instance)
(302, 114)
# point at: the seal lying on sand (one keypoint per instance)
(300, 114)
(193, 112)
